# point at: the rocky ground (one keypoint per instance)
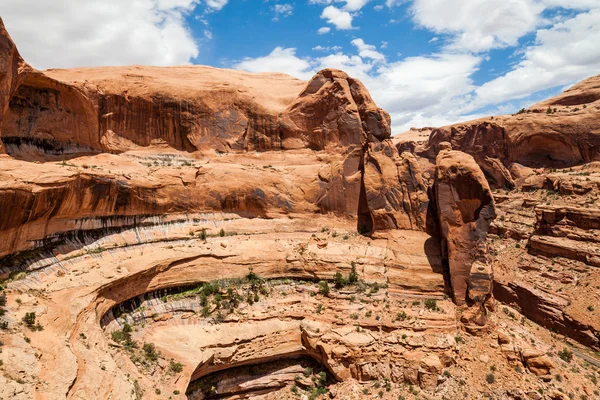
(198, 233)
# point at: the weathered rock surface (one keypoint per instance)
(560, 132)
(465, 207)
(124, 191)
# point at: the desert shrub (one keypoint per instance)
(29, 320)
(339, 279)
(150, 351)
(324, 288)
(431, 304)
(353, 276)
(401, 316)
(175, 367)
(565, 355)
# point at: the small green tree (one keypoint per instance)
(29, 320)
(175, 367)
(340, 281)
(150, 351)
(353, 277)
(324, 288)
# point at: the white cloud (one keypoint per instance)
(392, 3)
(341, 19)
(73, 33)
(282, 10)
(355, 5)
(323, 30)
(479, 25)
(574, 4)
(279, 60)
(415, 91)
(367, 50)
(216, 4)
(562, 54)
(378, 7)
(327, 48)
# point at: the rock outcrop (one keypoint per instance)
(465, 208)
(396, 193)
(560, 132)
(333, 110)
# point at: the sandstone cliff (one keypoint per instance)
(193, 232)
(560, 132)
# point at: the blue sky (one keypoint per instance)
(427, 62)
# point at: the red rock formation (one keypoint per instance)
(560, 132)
(395, 192)
(465, 208)
(333, 110)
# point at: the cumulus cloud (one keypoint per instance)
(438, 88)
(72, 33)
(279, 60)
(327, 48)
(573, 4)
(214, 4)
(479, 25)
(367, 50)
(340, 18)
(324, 30)
(349, 5)
(565, 53)
(413, 90)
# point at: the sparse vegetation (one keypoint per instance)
(324, 288)
(175, 367)
(565, 355)
(431, 304)
(150, 352)
(29, 321)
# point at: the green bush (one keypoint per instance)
(353, 276)
(340, 281)
(29, 320)
(324, 288)
(566, 355)
(431, 304)
(175, 367)
(150, 351)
